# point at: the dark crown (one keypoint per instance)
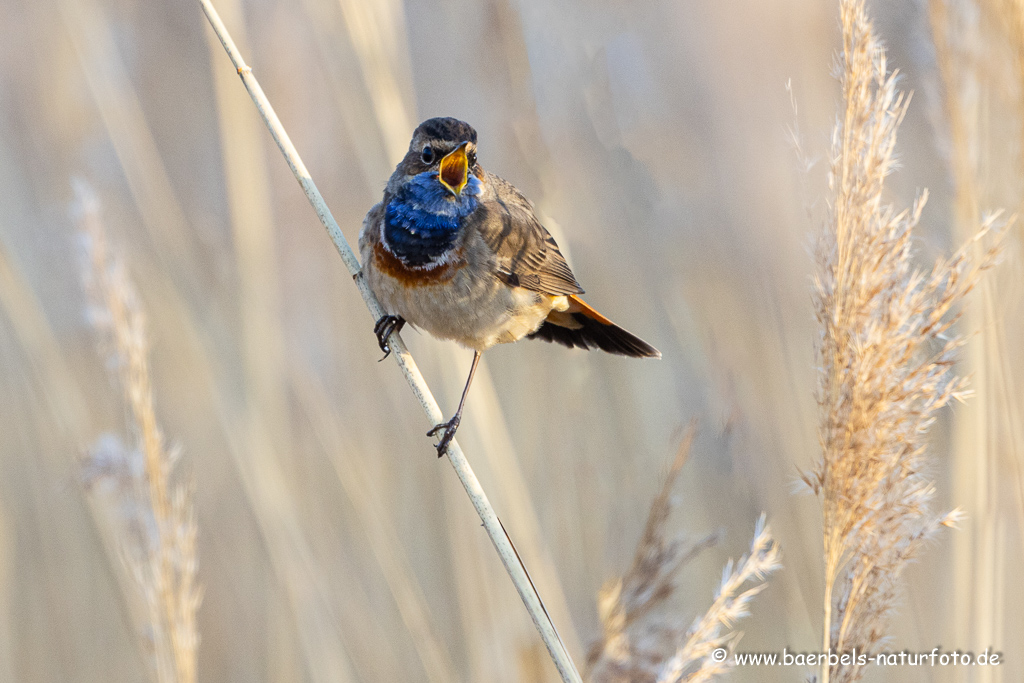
(446, 129)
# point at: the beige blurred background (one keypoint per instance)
(656, 139)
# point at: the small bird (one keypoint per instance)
(459, 252)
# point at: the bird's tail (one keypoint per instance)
(581, 326)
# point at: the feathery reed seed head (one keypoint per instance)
(886, 354)
(640, 646)
(152, 520)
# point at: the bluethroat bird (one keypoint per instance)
(459, 252)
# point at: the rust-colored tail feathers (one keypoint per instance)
(581, 326)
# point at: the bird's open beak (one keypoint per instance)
(454, 172)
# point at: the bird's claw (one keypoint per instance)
(384, 328)
(449, 428)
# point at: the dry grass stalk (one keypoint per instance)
(886, 357)
(154, 519)
(638, 645)
(495, 531)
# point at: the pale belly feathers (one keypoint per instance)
(476, 312)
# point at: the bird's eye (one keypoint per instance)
(427, 154)
(472, 159)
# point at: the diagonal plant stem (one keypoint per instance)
(502, 543)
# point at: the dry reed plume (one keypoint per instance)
(638, 645)
(886, 355)
(152, 520)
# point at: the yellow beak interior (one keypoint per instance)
(454, 172)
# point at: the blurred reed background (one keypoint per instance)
(333, 545)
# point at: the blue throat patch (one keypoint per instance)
(422, 220)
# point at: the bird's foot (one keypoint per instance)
(385, 327)
(449, 428)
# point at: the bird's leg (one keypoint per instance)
(451, 425)
(385, 327)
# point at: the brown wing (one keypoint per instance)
(526, 253)
(370, 232)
